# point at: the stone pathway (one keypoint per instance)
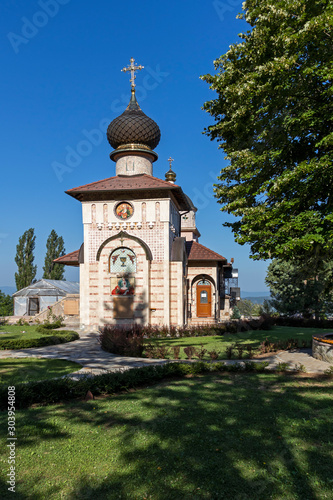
(87, 352)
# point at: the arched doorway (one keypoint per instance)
(204, 299)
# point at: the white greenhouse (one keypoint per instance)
(39, 296)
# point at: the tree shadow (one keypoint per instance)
(212, 437)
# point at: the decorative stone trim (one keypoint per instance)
(322, 349)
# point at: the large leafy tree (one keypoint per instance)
(273, 118)
(294, 291)
(54, 248)
(26, 270)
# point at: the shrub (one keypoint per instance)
(300, 368)
(231, 327)
(189, 351)
(329, 372)
(22, 322)
(162, 352)
(176, 351)
(214, 354)
(249, 349)
(251, 366)
(200, 353)
(240, 349)
(281, 367)
(236, 313)
(49, 326)
(52, 338)
(65, 388)
(126, 341)
(229, 351)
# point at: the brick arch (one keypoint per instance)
(123, 234)
(200, 277)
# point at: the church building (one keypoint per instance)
(141, 260)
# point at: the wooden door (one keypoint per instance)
(204, 301)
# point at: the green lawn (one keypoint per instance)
(13, 371)
(14, 332)
(253, 337)
(227, 436)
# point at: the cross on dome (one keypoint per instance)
(132, 68)
(170, 160)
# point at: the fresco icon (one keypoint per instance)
(124, 210)
(122, 286)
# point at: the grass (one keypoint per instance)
(253, 337)
(15, 332)
(258, 436)
(13, 371)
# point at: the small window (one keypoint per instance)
(204, 297)
(122, 260)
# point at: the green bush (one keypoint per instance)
(62, 389)
(52, 338)
(126, 341)
(49, 326)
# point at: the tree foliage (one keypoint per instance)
(54, 248)
(273, 119)
(6, 304)
(294, 291)
(26, 270)
(248, 308)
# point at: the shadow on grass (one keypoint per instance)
(212, 437)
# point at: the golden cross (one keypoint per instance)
(170, 160)
(132, 68)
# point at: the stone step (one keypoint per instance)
(202, 321)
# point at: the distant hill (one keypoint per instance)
(257, 300)
(8, 290)
(256, 297)
(254, 294)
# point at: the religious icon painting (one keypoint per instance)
(122, 286)
(124, 210)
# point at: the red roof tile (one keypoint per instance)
(196, 251)
(71, 259)
(123, 183)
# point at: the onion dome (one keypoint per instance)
(133, 130)
(170, 175)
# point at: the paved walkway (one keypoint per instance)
(87, 352)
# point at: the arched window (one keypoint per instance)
(122, 260)
(204, 283)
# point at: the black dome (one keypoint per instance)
(133, 127)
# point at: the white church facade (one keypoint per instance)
(141, 260)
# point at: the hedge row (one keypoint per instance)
(62, 389)
(52, 337)
(303, 322)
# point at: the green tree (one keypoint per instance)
(248, 308)
(26, 270)
(235, 313)
(273, 118)
(6, 304)
(54, 248)
(293, 291)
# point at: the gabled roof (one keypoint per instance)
(123, 183)
(70, 259)
(196, 251)
(49, 287)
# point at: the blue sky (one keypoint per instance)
(61, 84)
